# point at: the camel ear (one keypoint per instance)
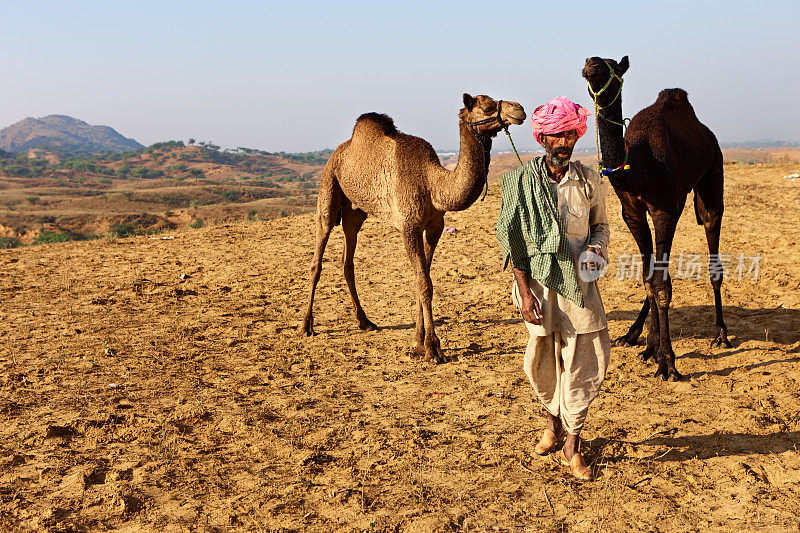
(623, 65)
(469, 101)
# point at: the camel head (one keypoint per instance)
(487, 116)
(605, 78)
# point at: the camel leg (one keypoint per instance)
(352, 220)
(708, 208)
(432, 235)
(416, 253)
(328, 205)
(635, 217)
(661, 286)
(631, 338)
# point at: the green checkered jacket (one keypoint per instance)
(530, 233)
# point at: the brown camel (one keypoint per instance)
(670, 153)
(398, 178)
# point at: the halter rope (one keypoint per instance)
(597, 108)
(478, 136)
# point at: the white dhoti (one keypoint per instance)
(566, 370)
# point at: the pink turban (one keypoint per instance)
(557, 115)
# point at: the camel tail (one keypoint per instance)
(338, 220)
(329, 199)
(697, 210)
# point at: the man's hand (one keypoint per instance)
(531, 312)
(529, 306)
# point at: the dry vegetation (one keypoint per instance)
(158, 385)
(163, 187)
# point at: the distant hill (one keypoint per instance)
(64, 136)
(165, 185)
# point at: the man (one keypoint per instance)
(553, 227)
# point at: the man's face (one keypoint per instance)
(559, 148)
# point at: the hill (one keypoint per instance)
(66, 136)
(163, 186)
(157, 384)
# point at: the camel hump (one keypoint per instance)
(672, 97)
(383, 123)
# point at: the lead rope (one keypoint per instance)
(486, 187)
(514, 147)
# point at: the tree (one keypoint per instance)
(191, 141)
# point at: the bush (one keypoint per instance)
(145, 173)
(231, 196)
(123, 230)
(81, 165)
(252, 215)
(50, 237)
(18, 171)
(167, 145)
(196, 223)
(8, 242)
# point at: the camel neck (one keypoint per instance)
(458, 189)
(612, 140)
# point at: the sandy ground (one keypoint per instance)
(134, 400)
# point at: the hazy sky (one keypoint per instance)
(294, 76)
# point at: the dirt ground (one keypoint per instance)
(157, 384)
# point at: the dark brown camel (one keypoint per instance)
(670, 153)
(398, 178)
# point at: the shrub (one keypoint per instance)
(81, 165)
(167, 145)
(122, 230)
(252, 215)
(18, 171)
(8, 242)
(231, 196)
(196, 223)
(50, 237)
(145, 173)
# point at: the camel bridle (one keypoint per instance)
(612, 75)
(481, 138)
(497, 117)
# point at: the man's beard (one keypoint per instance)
(558, 158)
